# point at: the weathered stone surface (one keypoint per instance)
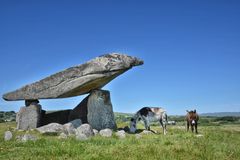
(81, 137)
(8, 135)
(100, 113)
(121, 134)
(95, 132)
(29, 117)
(69, 129)
(28, 137)
(52, 128)
(77, 80)
(83, 132)
(76, 123)
(146, 132)
(199, 135)
(62, 136)
(106, 132)
(80, 112)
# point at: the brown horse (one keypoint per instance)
(192, 119)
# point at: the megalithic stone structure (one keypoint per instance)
(89, 77)
(100, 112)
(76, 80)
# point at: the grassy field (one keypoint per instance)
(217, 142)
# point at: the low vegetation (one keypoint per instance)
(221, 141)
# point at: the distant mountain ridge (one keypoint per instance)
(221, 114)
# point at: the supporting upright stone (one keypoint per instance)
(29, 117)
(100, 113)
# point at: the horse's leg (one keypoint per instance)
(192, 127)
(146, 123)
(187, 126)
(163, 124)
(196, 128)
(165, 118)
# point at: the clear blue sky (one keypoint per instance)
(191, 50)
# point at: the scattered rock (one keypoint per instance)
(77, 80)
(26, 137)
(76, 123)
(121, 134)
(95, 132)
(106, 132)
(146, 132)
(69, 129)
(81, 137)
(85, 131)
(138, 136)
(8, 135)
(62, 136)
(52, 128)
(199, 135)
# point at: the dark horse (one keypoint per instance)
(192, 119)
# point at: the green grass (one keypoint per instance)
(218, 142)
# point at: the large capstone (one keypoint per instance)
(100, 113)
(77, 80)
(29, 117)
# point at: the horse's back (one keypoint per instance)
(158, 110)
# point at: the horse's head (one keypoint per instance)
(133, 125)
(192, 117)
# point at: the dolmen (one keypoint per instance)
(88, 78)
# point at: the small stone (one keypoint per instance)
(95, 132)
(138, 136)
(8, 136)
(62, 136)
(28, 137)
(52, 128)
(106, 132)
(199, 135)
(85, 129)
(81, 137)
(146, 132)
(69, 129)
(121, 134)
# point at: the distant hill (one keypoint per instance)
(221, 114)
(7, 116)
